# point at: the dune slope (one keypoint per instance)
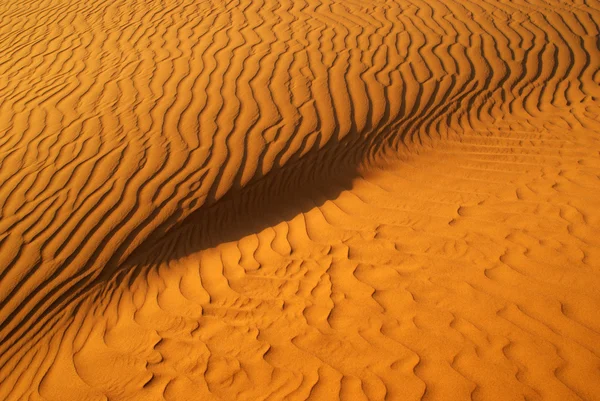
(268, 200)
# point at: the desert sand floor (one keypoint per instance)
(299, 200)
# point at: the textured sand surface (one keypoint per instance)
(298, 199)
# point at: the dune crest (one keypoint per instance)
(299, 200)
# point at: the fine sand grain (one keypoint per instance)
(299, 200)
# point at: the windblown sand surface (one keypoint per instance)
(293, 200)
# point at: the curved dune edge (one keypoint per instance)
(299, 200)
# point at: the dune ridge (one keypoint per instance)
(360, 195)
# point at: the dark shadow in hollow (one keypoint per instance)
(279, 196)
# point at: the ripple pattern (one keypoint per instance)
(299, 199)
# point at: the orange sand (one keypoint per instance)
(294, 200)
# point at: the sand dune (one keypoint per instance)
(293, 200)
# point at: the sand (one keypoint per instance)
(300, 200)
